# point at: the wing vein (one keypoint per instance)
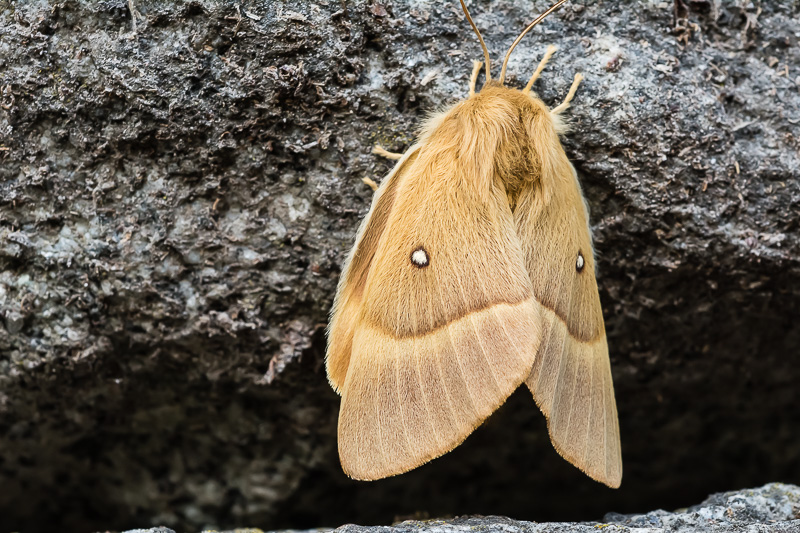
(421, 388)
(452, 344)
(425, 395)
(589, 416)
(461, 370)
(378, 424)
(572, 395)
(486, 355)
(561, 363)
(497, 317)
(455, 352)
(400, 403)
(605, 428)
(483, 349)
(449, 395)
(511, 342)
(543, 348)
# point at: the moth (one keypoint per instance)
(474, 272)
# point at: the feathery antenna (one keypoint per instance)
(480, 38)
(521, 35)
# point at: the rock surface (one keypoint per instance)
(179, 183)
(774, 508)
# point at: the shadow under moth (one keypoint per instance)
(472, 273)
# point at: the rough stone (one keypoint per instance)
(180, 183)
(774, 508)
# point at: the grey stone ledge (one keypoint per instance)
(773, 508)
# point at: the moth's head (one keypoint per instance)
(512, 128)
(516, 127)
(512, 108)
(499, 135)
(499, 132)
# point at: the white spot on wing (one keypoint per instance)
(580, 262)
(420, 257)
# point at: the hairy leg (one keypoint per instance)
(565, 104)
(476, 68)
(381, 151)
(547, 55)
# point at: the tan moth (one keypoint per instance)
(474, 272)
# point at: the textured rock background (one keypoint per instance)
(178, 189)
(774, 508)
